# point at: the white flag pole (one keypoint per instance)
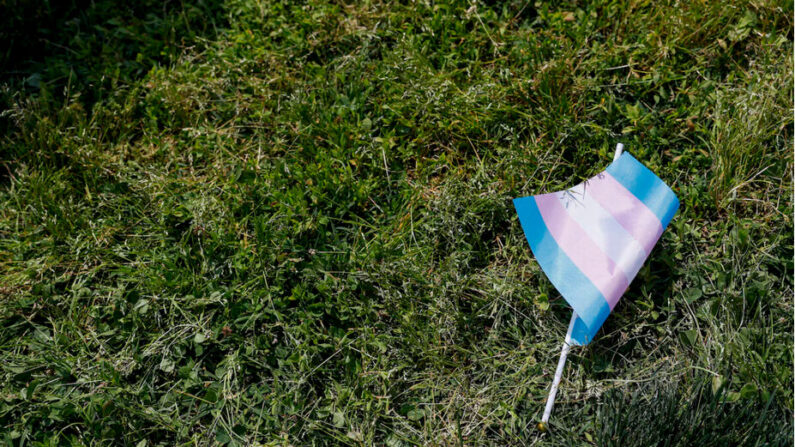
(619, 151)
(558, 374)
(564, 352)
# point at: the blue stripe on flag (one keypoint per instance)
(581, 334)
(576, 288)
(646, 186)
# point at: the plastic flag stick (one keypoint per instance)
(558, 374)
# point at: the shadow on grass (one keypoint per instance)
(667, 415)
(62, 58)
(87, 46)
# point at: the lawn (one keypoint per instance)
(286, 224)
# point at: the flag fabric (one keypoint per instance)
(592, 239)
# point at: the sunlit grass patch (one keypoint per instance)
(293, 224)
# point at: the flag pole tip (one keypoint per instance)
(542, 427)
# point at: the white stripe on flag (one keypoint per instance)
(602, 228)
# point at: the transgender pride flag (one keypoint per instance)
(592, 239)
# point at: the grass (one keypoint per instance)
(267, 223)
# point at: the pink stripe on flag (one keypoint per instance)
(583, 252)
(627, 209)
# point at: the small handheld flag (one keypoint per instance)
(591, 240)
